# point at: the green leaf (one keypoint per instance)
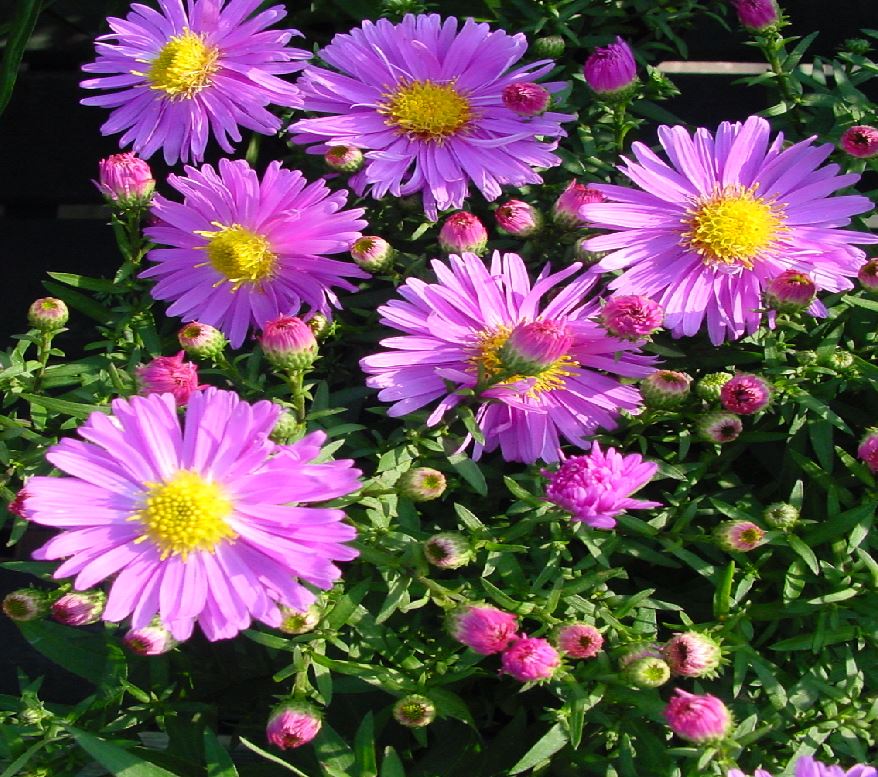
(115, 759)
(723, 593)
(219, 762)
(84, 282)
(81, 652)
(365, 764)
(271, 757)
(333, 753)
(391, 766)
(26, 14)
(469, 471)
(551, 742)
(63, 406)
(804, 552)
(80, 302)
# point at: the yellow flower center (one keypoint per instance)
(488, 365)
(732, 227)
(185, 514)
(426, 110)
(239, 254)
(184, 66)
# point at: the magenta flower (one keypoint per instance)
(180, 73)
(529, 659)
(425, 97)
(518, 218)
(169, 374)
(704, 236)
(611, 69)
(631, 317)
(757, 15)
(597, 487)
(867, 275)
(292, 724)
(526, 99)
(244, 251)
(745, 394)
(463, 232)
(194, 522)
(860, 141)
(692, 654)
(868, 450)
(580, 640)
(790, 291)
(567, 209)
(484, 629)
(697, 717)
(125, 180)
(455, 330)
(806, 766)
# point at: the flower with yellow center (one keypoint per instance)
(185, 514)
(732, 227)
(241, 255)
(185, 65)
(426, 110)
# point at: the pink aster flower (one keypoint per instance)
(757, 15)
(611, 69)
(179, 73)
(597, 487)
(244, 251)
(806, 766)
(868, 451)
(292, 724)
(425, 97)
(860, 141)
(745, 394)
(169, 374)
(703, 235)
(580, 640)
(485, 629)
(529, 659)
(518, 218)
(455, 331)
(697, 717)
(632, 317)
(200, 521)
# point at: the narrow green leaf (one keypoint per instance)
(553, 740)
(722, 596)
(391, 766)
(469, 471)
(26, 14)
(804, 552)
(219, 762)
(115, 759)
(83, 653)
(271, 757)
(365, 764)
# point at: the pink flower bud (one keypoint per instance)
(580, 640)
(719, 427)
(697, 718)
(632, 317)
(534, 346)
(740, 536)
(611, 71)
(79, 609)
(565, 211)
(463, 232)
(374, 254)
(125, 180)
(757, 15)
(414, 711)
(691, 654)
(202, 341)
(665, 389)
(421, 484)
(518, 218)
(745, 394)
(860, 141)
(530, 658)
(47, 314)
(151, 640)
(292, 724)
(526, 99)
(868, 275)
(789, 292)
(17, 505)
(485, 629)
(448, 550)
(345, 159)
(26, 604)
(868, 450)
(169, 375)
(288, 343)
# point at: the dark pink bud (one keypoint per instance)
(463, 232)
(529, 659)
(868, 275)
(697, 717)
(790, 291)
(565, 211)
(518, 218)
(534, 346)
(860, 141)
(526, 99)
(868, 450)
(611, 70)
(485, 629)
(292, 724)
(632, 317)
(580, 640)
(745, 394)
(757, 15)
(169, 375)
(125, 180)
(288, 343)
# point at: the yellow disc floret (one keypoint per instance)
(239, 254)
(426, 110)
(184, 514)
(185, 65)
(732, 227)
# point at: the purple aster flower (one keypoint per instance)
(596, 488)
(806, 766)
(456, 332)
(425, 97)
(244, 251)
(734, 210)
(180, 73)
(194, 522)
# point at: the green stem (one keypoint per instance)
(296, 380)
(772, 48)
(44, 349)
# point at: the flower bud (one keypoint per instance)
(529, 659)
(484, 629)
(710, 385)
(580, 640)
(285, 427)
(549, 46)
(868, 450)
(638, 651)
(698, 718)
(518, 218)
(448, 550)
(463, 232)
(740, 536)
(647, 672)
(153, 640)
(665, 389)
(581, 252)
(414, 711)
(292, 724)
(868, 275)
(534, 346)
(288, 344)
(319, 324)
(757, 15)
(781, 515)
(565, 211)
(47, 314)
(17, 506)
(125, 180)
(692, 654)
(611, 71)
(526, 99)
(837, 360)
(632, 317)
(806, 357)
(79, 608)
(421, 484)
(745, 394)
(25, 604)
(790, 292)
(374, 254)
(202, 341)
(297, 622)
(719, 427)
(169, 375)
(860, 141)
(344, 159)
